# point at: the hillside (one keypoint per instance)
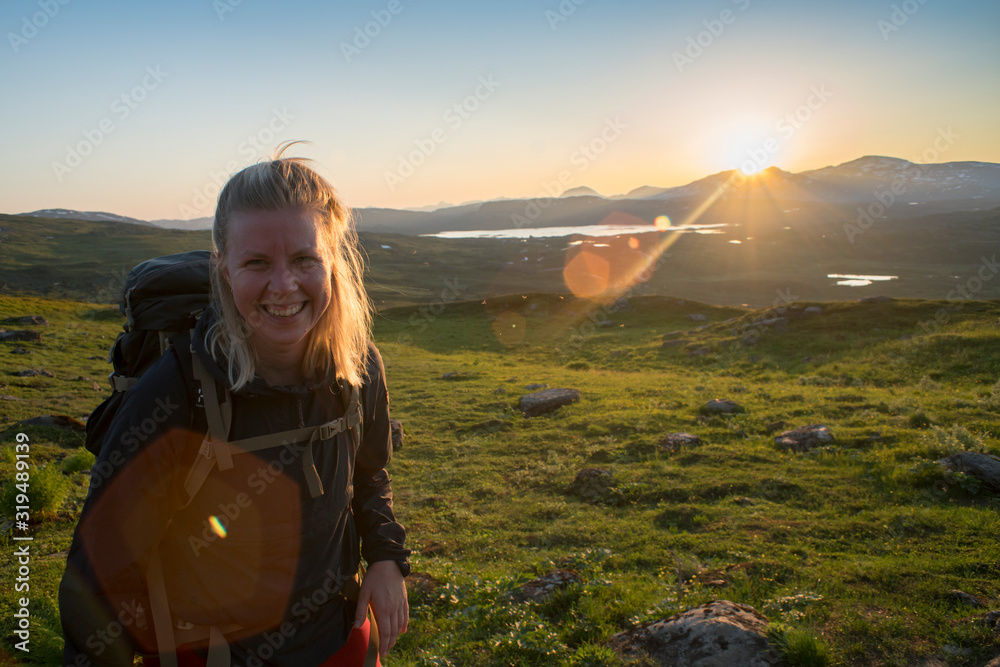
(753, 262)
(851, 549)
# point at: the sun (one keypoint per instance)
(752, 168)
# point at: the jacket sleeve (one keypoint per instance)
(136, 485)
(382, 537)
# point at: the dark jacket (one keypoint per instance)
(253, 548)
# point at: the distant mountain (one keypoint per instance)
(874, 185)
(67, 214)
(582, 191)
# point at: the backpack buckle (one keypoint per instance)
(330, 429)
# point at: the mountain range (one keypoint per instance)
(876, 186)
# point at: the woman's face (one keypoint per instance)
(280, 277)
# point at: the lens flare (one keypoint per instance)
(587, 274)
(217, 526)
(633, 243)
(662, 223)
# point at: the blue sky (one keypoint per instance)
(167, 99)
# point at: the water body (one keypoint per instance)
(857, 280)
(586, 230)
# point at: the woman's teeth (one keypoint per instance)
(286, 311)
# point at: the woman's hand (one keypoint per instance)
(385, 589)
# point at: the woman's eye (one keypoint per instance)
(255, 263)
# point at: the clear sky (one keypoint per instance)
(143, 108)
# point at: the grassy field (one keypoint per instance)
(850, 550)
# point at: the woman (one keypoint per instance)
(261, 555)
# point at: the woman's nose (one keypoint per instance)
(283, 279)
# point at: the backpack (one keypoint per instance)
(162, 301)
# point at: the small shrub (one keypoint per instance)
(800, 647)
(590, 655)
(578, 365)
(919, 420)
(78, 462)
(46, 489)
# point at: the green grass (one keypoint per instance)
(850, 550)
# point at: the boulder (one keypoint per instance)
(547, 400)
(593, 484)
(21, 335)
(803, 438)
(674, 441)
(697, 317)
(535, 386)
(967, 599)
(813, 310)
(721, 406)
(36, 320)
(984, 467)
(33, 372)
(675, 341)
(544, 586)
(20, 350)
(717, 634)
(396, 428)
(58, 421)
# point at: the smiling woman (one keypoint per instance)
(280, 370)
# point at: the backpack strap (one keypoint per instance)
(217, 450)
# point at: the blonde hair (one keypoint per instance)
(338, 343)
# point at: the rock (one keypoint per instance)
(995, 662)
(803, 438)
(33, 372)
(21, 335)
(722, 406)
(37, 320)
(592, 484)
(875, 299)
(535, 387)
(544, 586)
(500, 390)
(7, 397)
(20, 350)
(813, 310)
(674, 441)
(984, 467)
(675, 341)
(699, 351)
(672, 334)
(697, 317)
(717, 634)
(58, 421)
(967, 599)
(547, 400)
(453, 375)
(396, 428)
